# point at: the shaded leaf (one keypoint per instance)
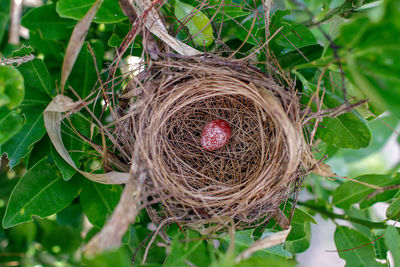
(118, 258)
(229, 9)
(98, 201)
(40, 150)
(379, 245)
(371, 55)
(357, 252)
(11, 87)
(83, 76)
(71, 216)
(196, 22)
(40, 192)
(351, 192)
(294, 58)
(66, 170)
(4, 17)
(109, 12)
(45, 20)
(59, 239)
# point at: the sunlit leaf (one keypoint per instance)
(351, 192)
(393, 211)
(392, 241)
(11, 87)
(355, 248)
(198, 24)
(11, 123)
(349, 130)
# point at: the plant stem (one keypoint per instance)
(369, 224)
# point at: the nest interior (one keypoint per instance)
(247, 179)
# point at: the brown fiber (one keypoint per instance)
(245, 180)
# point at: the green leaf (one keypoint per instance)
(83, 76)
(23, 234)
(271, 262)
(98, 201)
(257, 35)
(392, 241)
(371, 52)
(117, 257)
(71, 216)
(11, 123)
(244, 239)
(393, 211)
(294, 58)
(59, 239)
(229, 9)
(188, 250)
(40, 150)
(299, 237)
(196, 22)
(41, 192)
(11, 87)
(109, 12)
(35, 73)
(37, 81)
(351, 192)
(292, 35)
(349, 130)
(67, 171)
(114, 40)
(45, 20)
(299, 222)
(52, 50)
(359, 249)
(33, 130)
(379, 245)
(4, 17)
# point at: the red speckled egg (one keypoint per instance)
(215, 135)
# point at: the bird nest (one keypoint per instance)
(258, 169)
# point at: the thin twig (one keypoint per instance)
(383, 189)
(369, 224)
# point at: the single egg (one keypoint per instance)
(215, 135)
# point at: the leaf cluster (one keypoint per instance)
(44, 203)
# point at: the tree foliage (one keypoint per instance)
(329, 44)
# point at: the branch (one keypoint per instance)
(347, 7)
(331, 215)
